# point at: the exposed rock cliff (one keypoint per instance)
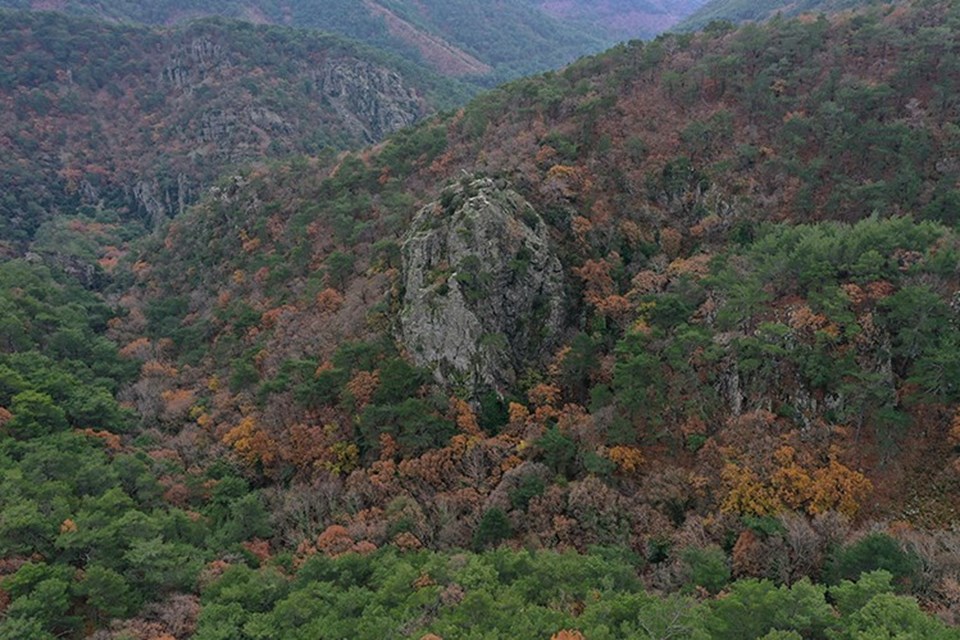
(372, 100)
(191, 63)
(483, 293)
(144, 133)
(156, 198)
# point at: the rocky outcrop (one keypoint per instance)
(238, 134)
(368, 102)
(360, 102)
(484, 293)
(88, 274)
(373, 101)
(189, 64)
(155, 201)
(175, 108)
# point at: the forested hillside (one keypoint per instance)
(663, 344)
(483, 42)
(758, 10)
(131, 123)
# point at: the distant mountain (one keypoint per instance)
(487, 40)
(755, 10)
(623, 19)
(455, 37)
(140, 120)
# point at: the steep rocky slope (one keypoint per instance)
(141, 121)
(483, 292)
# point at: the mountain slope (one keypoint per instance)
(623, 19)
(134, 119)
(688, 307)
(747, 224)
(512, 38)
(752, 11)
(486, 42)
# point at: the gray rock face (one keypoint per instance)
(190, 64)
(238, 134)
(370, 98)
(156, 201)
(484, 294)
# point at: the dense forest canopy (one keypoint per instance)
(712, 387)
(134, 123)
(757, 10)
